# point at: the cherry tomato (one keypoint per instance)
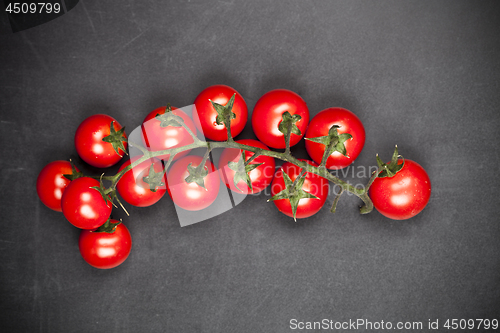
(158, 138)
(134, 190)
(313, 184)
(205, 115)
(349, 123)
(84, 206)
(267, 115)
(51, 183)
(105, 250)
(260, 177)
(191, 196)
(404, 195)
(89, 142)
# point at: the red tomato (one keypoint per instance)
(313, 184)
(89, 142)
(51, 183)
(260, 177)
(158, 138)
(267, 115)
(132, 187)
(349, 123)
(105, 250)
(191, 196)
(83, 206)
(404, 195)
(204, 116)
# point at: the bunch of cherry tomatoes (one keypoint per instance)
(101, 142)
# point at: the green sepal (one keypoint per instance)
(116, 138)
(74, 174)
(154, 179)
(224, 112)
(293, 192)
(389, 170)
(108, 226)
(197, 175)
(242, 170)
(288, 119)
(333, 141)
(102, 190)
(169, 118)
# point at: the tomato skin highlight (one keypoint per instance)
(134, 190)
(157, 138)
(83, 206)
(89, 144)
(192, 196)
(105, 250)
(51, 183)
(267, 115)
(204, 114)
(260, 177)
(313, 184)
(349, 123)
(404, 195)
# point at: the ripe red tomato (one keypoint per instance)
(404, 195)
(83, 206)
(267, 115)
(51, 183)
(134, 190)
(260, 177)
(313, 184)
(89, 142)
(158, 138)
(349, 123)
(191, 196)
(105, 250)
(205, 115)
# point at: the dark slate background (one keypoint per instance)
(421, 74)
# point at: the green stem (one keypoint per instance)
(336, 200)
(284, 156)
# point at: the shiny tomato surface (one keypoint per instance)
(404, 195)
(348, 122)
(205, 115)
(105, 250)
(132, 187)
(260, 177)
(313, 184)
(267, 115)
(89, 142)
(83, 206)
(51, 183)
(191, 196)
(158, 138)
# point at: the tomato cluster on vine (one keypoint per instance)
(334, 138)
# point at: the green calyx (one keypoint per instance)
(224, 112)
(108, 227)
(389, 170)
(116, 138)
(169, 118)
(293, 192)
(154, 179)
(103, 191)
(74, 174)
(197, 174)
(242, 170)
(333, 141)
(288, 124)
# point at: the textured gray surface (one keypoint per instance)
(422, 74)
